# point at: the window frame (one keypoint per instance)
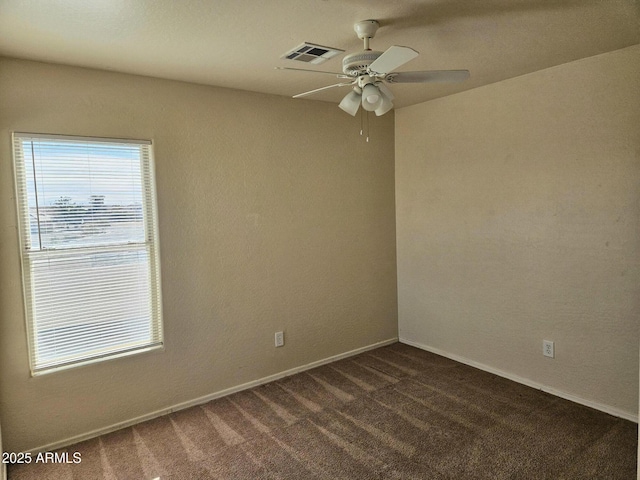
(151, 244)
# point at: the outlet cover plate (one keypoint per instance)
(548, 349)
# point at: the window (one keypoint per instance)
(86, 209)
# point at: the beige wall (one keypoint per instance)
(274, 214)
(517, 211)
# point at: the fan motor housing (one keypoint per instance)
(356, 63)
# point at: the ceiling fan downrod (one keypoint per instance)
(366, 30)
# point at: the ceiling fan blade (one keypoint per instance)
(428, 76)
(392, 58)
(339, 75)
(323, 88)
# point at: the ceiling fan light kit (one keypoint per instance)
(351, 103)
(385, 105)
(369, 69)
(371, 98)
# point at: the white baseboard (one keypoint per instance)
(207, 398)
(525, 381)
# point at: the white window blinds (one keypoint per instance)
(89, 246)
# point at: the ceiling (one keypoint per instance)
(238, 43)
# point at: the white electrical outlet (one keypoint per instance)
(279, 339)
(547, 348)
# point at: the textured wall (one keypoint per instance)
(274, 214)
(517, 210)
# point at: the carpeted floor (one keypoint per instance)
(392, 413)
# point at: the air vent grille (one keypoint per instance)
(311, 53)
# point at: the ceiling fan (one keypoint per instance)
(368, 71)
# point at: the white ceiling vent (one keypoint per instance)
(311, 53)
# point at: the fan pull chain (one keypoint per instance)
(367, 126)
(364, 126)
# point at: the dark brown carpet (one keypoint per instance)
(396, 412)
